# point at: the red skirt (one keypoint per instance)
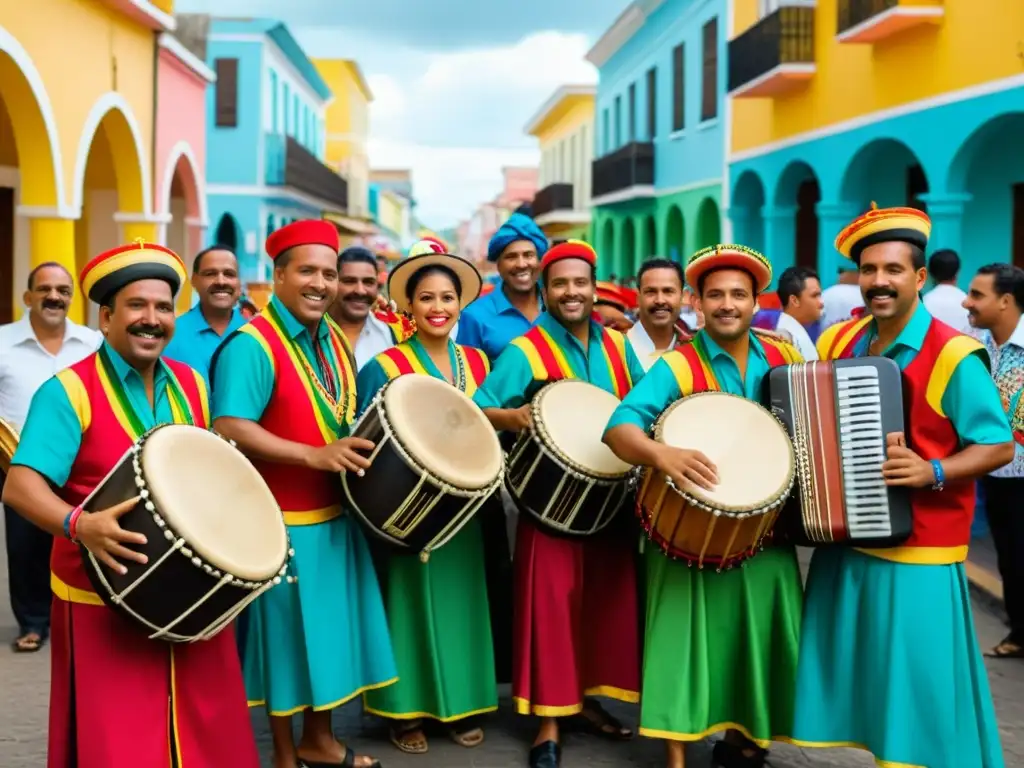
(575, 623)
(121, 700)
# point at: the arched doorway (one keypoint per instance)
(709, 224)
(607, 252)
(627, 260)
(28, 172)
(184, 203)
(795, 241)
(649, 239)
(990, 167)
(675, 243)
(886, 172)
(227, 233)
(747, 210)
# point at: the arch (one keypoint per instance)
(650, 238)
(709, 224)
(182, 159)
(797, 195)
(885, 171)
(35, 127)
(627, 252)
(993, 134)
(675, 235)
(228, 233)
(793, 177)
(747, 211)
(114, 114)
(608, 246)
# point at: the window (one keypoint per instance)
(678, 88)
(632, 112)
(618, 121)
(273, 102)
(709, 83)
(652, 102)
(605, 132)
(286, 113)
(226, 112)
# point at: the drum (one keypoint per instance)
(437, 459)
(756, 471)
(560, 472)
(215, 536)
(8, 445)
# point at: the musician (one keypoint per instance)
(888, 657)
(659, 327)
(737, 630)
(284, 391)
(575, 630)
(443, 647)
(118, 699)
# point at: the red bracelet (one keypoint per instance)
(73, 524)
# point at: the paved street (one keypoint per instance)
(23, 703)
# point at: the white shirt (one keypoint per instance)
(801, 338)
(25, 365)
(644, 347)
(946, 303)
(840, 300)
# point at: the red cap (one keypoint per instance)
(609, 293)
(570, 249)
(308, 232)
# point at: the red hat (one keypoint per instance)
(114, 269)
(610, 294)
(730, 257)
(570, 249)
(308, 232)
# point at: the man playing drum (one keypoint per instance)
(118, 699)
(575, 618)
(737, 631)
(889, 660)
(284, 391)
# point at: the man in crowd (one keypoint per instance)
(200, 331)
(32, 350)
(995, 303)
(946, 301)
(800, 296)
(660, 283)
(840, 300)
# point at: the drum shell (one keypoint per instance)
(176, 584)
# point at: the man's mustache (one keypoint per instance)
(358, 298)
(219, 288)
(881, 293)
(53, 304)
(153, 330)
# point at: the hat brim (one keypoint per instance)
(729, 260)
(468, 276)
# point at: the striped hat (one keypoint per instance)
(884, 225)
(112, 270)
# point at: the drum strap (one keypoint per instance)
(122, 406)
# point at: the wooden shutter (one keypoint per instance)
(678, 88)
(632, 112)
(709, 87)
(226, 115)
(652, 108)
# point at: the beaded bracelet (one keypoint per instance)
(940, 475)
(71, 524)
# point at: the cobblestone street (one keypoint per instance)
(23, 721)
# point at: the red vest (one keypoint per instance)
(549, 364)
(401, 360)
(941, 518)
(694, 375)
(105, 438)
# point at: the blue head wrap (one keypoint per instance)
(517, 227)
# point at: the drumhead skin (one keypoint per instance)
(213, 497)
(570, 416)
(748, 445)
(444, 431)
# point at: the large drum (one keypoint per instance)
(215, 536)
(756, 471)
(560, 472)
(437, 459)
(8, 445)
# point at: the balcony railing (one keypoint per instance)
(290, 164)
(785, 37)
(850, 13)
(554, 197)
(868, 21)
(629, 166)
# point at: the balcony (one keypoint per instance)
(289, 164)
(774, 56)
(869, 21)
(626, 173)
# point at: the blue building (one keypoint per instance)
(265, 139)
(659, 130)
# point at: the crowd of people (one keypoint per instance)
(877, 651)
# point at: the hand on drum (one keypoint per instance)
(687, 468)
(102, 534)
(904, 467)
(341, 456)
(522, 418)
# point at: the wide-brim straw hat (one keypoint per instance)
(429, 253)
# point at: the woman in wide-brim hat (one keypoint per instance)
(437, 611)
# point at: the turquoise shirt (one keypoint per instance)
(194, 341)
(971, 400)
(372, 375)
(659, 389)
(491, 322)
(243, 378)
(52, 435)
(511, 383)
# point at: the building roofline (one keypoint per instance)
(622, 29)
(561, 94)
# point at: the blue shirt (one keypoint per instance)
(491, 322)
(52, 435)
(194, 341)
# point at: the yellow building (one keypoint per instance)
(839, 103)
(564, 127)
(348, 129)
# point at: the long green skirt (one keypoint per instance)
(720, 649)
(441, 634)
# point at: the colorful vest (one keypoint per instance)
(109, 428)
(401, 360)
(402, 327)
(692, 368)
(942, 519)
(301, 410)
(548, 363)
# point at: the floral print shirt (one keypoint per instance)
(1008, 372)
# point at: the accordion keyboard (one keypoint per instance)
(862, 450)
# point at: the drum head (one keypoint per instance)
(748, 445)
(444, 431)
(572, 416)
(212, 497)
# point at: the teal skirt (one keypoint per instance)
(322, 639)
(889, 663)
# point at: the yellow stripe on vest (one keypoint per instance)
(204, 397)
(77, 395)
(70, 594)
(681, 370)
(537, 369)
(559, 355)
(248, 330)
(952, 354)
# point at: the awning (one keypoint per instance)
(350, 224)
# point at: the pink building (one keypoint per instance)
(474, 234)
(179, 194)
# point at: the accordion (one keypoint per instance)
(838, 414)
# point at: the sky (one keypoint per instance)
(454, 81)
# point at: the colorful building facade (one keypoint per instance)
(838, 104)
(660, 135)
(348, 129)
(519, 186)
(564, 128)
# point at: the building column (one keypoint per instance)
(149, 227)
(947, 214)
(833, 217)
(53, 239)
(780, 236)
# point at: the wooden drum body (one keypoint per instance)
(437, 460)
(756, 471)
(8, 445)
(560, 472)
(215, 537)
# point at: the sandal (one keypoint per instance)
(1007, 649)
(599, 722)
(348, 762)
(725, 754)
(472, 736)
(30, 642)
(400, 733)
